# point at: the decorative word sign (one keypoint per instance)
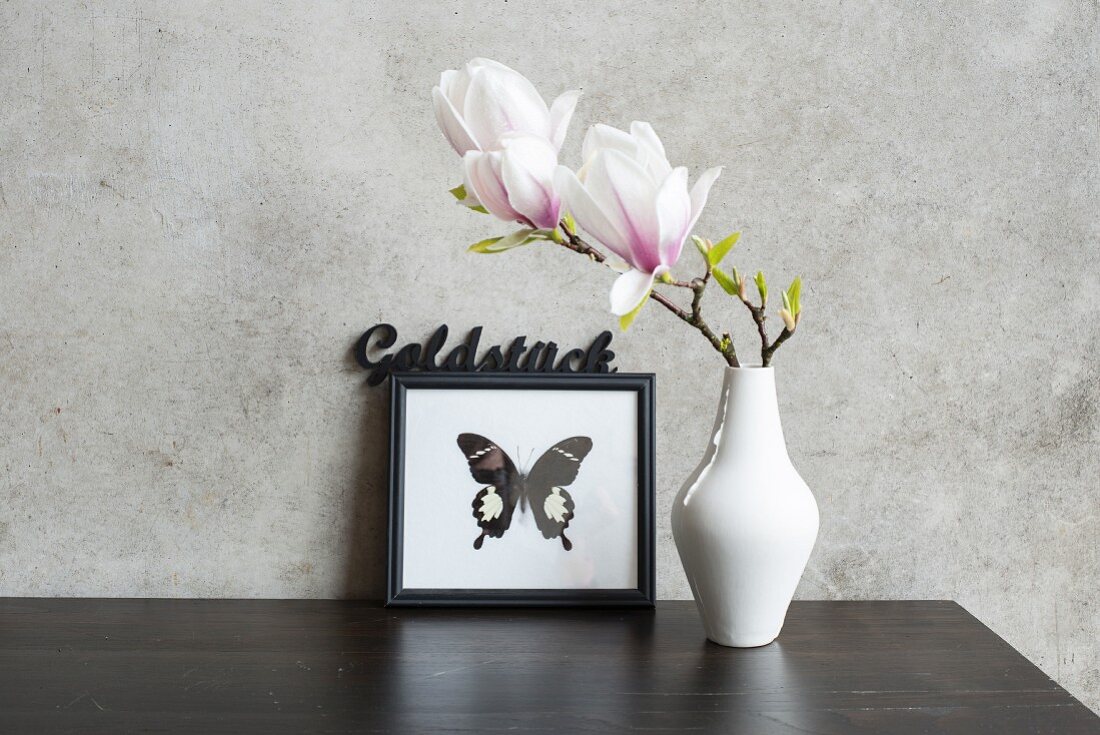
(541, 357)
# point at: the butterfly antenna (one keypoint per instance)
(529, 455)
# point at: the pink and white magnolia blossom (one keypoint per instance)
(516, 183)
(508, 139)
(477, 105)
(632, 200)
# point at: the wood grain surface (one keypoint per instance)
(265, 666)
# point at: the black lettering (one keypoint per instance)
(548, 357)
(492, 361)
(599, 356)
(531, 364)
(407, 357)
(566, 364)
(435, 344)
(517, 349)
(462, 357)
(378, 370)
(540, 357)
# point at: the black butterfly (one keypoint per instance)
(543, 488)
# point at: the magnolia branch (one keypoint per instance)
(758, 316)
(766, 353)
(694, 317)
(724, 345)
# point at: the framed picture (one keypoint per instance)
(532, 490)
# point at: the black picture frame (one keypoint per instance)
(643, 384)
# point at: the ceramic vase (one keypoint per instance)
(745, 522)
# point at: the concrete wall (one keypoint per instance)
(202, 205)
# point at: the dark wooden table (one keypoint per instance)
(119, 666)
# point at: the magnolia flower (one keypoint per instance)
(632, 200)
(476, 106)
(516, 183)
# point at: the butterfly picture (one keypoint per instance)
(506, 490)
(547, 499)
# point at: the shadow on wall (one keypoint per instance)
(365, 544)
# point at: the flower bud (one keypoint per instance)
(788, 320)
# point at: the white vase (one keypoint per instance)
(745, 522)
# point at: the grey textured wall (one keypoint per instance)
(202, 205)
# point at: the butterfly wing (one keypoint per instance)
(495, 503)
(557, 468)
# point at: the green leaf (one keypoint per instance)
(722, 248)
(793, 296)
(627, 319)
(502, 244)
(484, 245)
(570, 222)
(762, 287)
(729, 285)
(459, 193)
